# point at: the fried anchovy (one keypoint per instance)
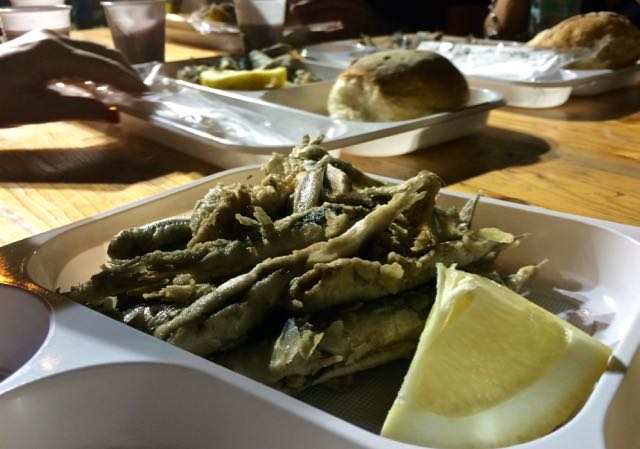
(420, 221)
(344, 281)
(344, 245)
(148, 317)
(309, 352)
(231, 325)
(219, 258)
(451, 224)
(309, 151)
(164, 235)
(324, 181)
(183, 289)
(214, 216)
(307, 193)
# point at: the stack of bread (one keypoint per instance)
(601, 40)
(397, 85)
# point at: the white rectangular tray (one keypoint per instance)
(546, 93)
(77, 379)
(553, 93)
(280, 118)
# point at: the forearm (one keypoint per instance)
(510, 18)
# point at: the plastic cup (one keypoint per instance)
(31, 3)
(137, 28)
(260, 21)
(18, 21)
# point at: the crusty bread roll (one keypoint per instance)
(609, 40)
(397, 85)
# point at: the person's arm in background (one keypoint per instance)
(357, 17)
(31, 61)
(465, 17)
(508, 19)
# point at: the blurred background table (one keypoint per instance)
(582, 158)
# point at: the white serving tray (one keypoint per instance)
(77, 379)
(279, 119)
(546, 93)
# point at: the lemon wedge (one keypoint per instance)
(492, 369)
(244, 79)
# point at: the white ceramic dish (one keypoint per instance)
(545, 93)
(77, 379)
(233, 128)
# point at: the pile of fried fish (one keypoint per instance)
(317, 272)
(278, 55)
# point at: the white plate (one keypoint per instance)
(80, 380)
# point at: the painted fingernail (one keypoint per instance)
(112, 115)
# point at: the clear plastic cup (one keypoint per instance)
(18, 21)
(31, 3)
(137, 28)
(261, 21)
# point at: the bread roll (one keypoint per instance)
(397, 85)
(609, 40)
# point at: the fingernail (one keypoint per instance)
(112, 115)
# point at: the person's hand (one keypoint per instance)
(30, 62)
(356, 16)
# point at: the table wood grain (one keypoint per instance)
(581, 158)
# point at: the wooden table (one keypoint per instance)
(582, 158)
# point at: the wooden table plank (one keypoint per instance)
(57, 173)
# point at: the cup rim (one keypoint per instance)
(30, 9)
(130, 2)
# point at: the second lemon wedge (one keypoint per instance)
(492, 369)
(244, 79)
